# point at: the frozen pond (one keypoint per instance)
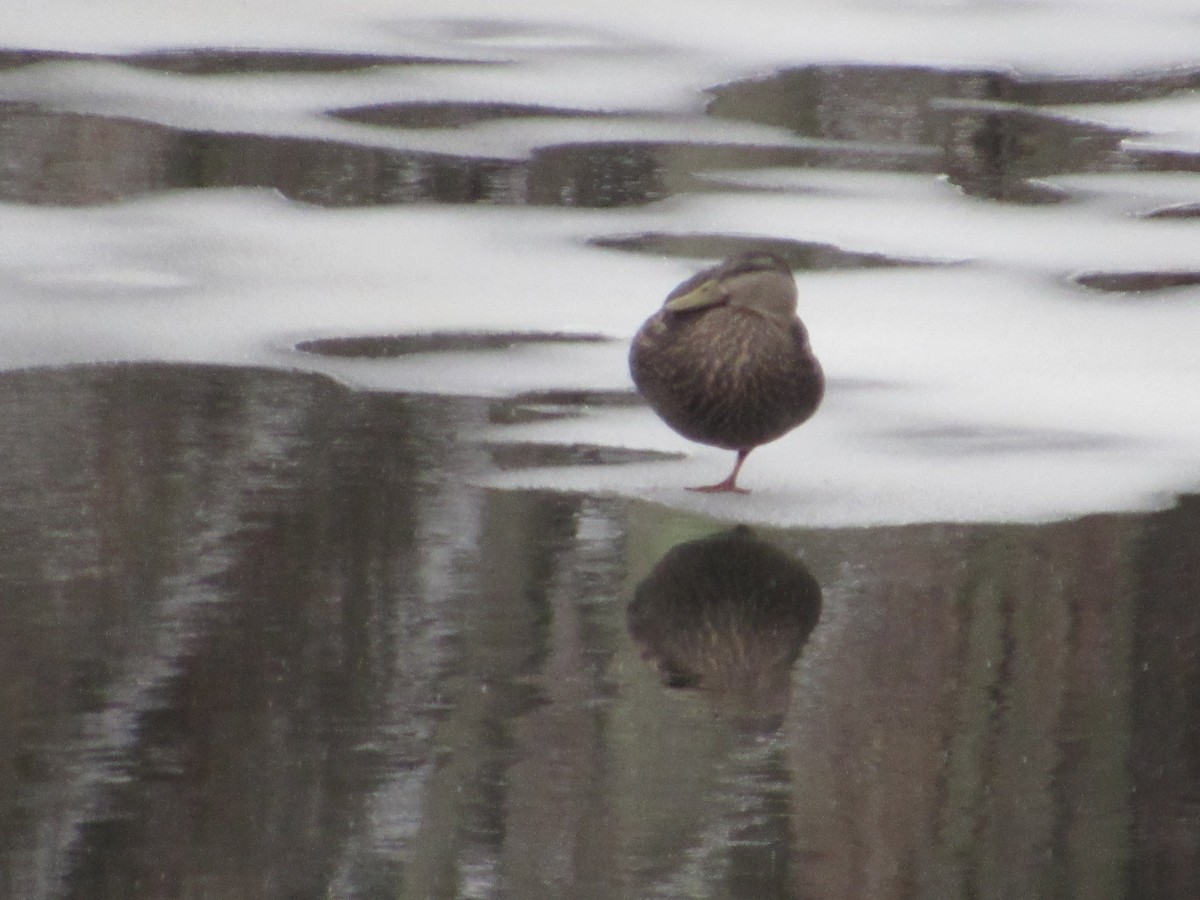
(338, 558)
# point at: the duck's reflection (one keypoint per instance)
(727, 615)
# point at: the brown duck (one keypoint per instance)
(726, 361)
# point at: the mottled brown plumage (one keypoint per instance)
(726, 362)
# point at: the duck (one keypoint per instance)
(726, 361)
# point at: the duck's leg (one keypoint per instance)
(729, 485)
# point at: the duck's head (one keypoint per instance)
(758, 281)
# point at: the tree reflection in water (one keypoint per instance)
(264, 636)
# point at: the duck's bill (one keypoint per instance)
(707, 293)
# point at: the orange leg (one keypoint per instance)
(729, 485)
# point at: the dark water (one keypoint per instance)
(262, 636)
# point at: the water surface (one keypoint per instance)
(264, 636)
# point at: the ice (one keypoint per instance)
(986, 385)
(617, 55)
(296, 105)
(1003, 411)
(1167, 124)
(987, 389)
(1105, 35)
(1139, 193)
(244, 278)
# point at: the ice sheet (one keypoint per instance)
(1166, 124)
(988, 389)
(1105, 35)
